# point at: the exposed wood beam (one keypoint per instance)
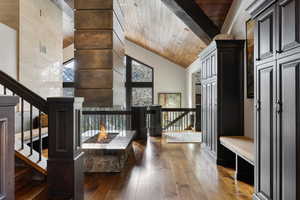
(194, 17)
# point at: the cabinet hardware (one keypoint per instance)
(257, 105)
(278, 106)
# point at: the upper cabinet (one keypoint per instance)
(288, 27)
(277, 31)
(264, 35)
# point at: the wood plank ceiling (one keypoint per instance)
(150, 24)
(216, 10)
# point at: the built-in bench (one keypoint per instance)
(243, 147)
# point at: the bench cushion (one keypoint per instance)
(241, 145)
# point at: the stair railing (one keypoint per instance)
(64, 146)
(35, 104)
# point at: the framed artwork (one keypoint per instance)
(250, 24)
(169, 100)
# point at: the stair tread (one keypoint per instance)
(32, 191)
(20, 171)
(33, 160)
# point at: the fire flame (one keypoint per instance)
(102, 134)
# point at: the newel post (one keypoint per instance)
(65, 162)
(138, 122)
(198, 117)
(7, 148)
(155, 121)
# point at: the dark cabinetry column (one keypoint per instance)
(7, 149)
(139, 122)
(65, 162)
(155, 121)
(198, 117)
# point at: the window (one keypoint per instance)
(139, 83)
(68, 78)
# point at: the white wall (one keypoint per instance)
(190, 87)
(168, 77)
(8, 50)
(234, 25)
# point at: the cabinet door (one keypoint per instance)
(213, 64)
(208, 67)
(265, 131)
(214, 117)
(209, 115)
(288, 26)
(265, 36)
(204, 112)
(204, 73)
(288, 112)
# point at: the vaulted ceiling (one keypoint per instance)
(150, 24)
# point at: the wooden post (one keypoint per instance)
(155, 121)
(65, 162)
(198, 117)
(139, 122)
(7, 149)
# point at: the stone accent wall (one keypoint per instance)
(99, 52)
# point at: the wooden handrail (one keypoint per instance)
(23, 92)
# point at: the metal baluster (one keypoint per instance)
(31, 141)
(187, 120)
(22, 123)
(40, 137)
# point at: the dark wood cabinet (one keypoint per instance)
(265, 131)
(288, 29)
(277, 96)
(288, 128)
(264, 36)
(222, 95)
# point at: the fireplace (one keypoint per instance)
(106, 151)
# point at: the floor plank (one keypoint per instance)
(164, 171)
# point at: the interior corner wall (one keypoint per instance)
(235, 24)
(41, 47)
(8, 50)
(168, 77)
(190, 88)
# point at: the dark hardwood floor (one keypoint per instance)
(168, 172)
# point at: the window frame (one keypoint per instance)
(130, 84)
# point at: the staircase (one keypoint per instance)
(24, 141)
(26, 188)
(32, 144)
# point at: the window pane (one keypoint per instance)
(68, 92)
(68, 72)
(141, 73)
(141, 96)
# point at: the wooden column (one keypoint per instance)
(7, 148)
(65, 162)
(155, 121)
(139, 122)
(198, 118)
(99, 54)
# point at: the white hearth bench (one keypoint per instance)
(243, 147)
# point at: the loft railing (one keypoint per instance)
(113, 120)
(178, 119)
(63, 137)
